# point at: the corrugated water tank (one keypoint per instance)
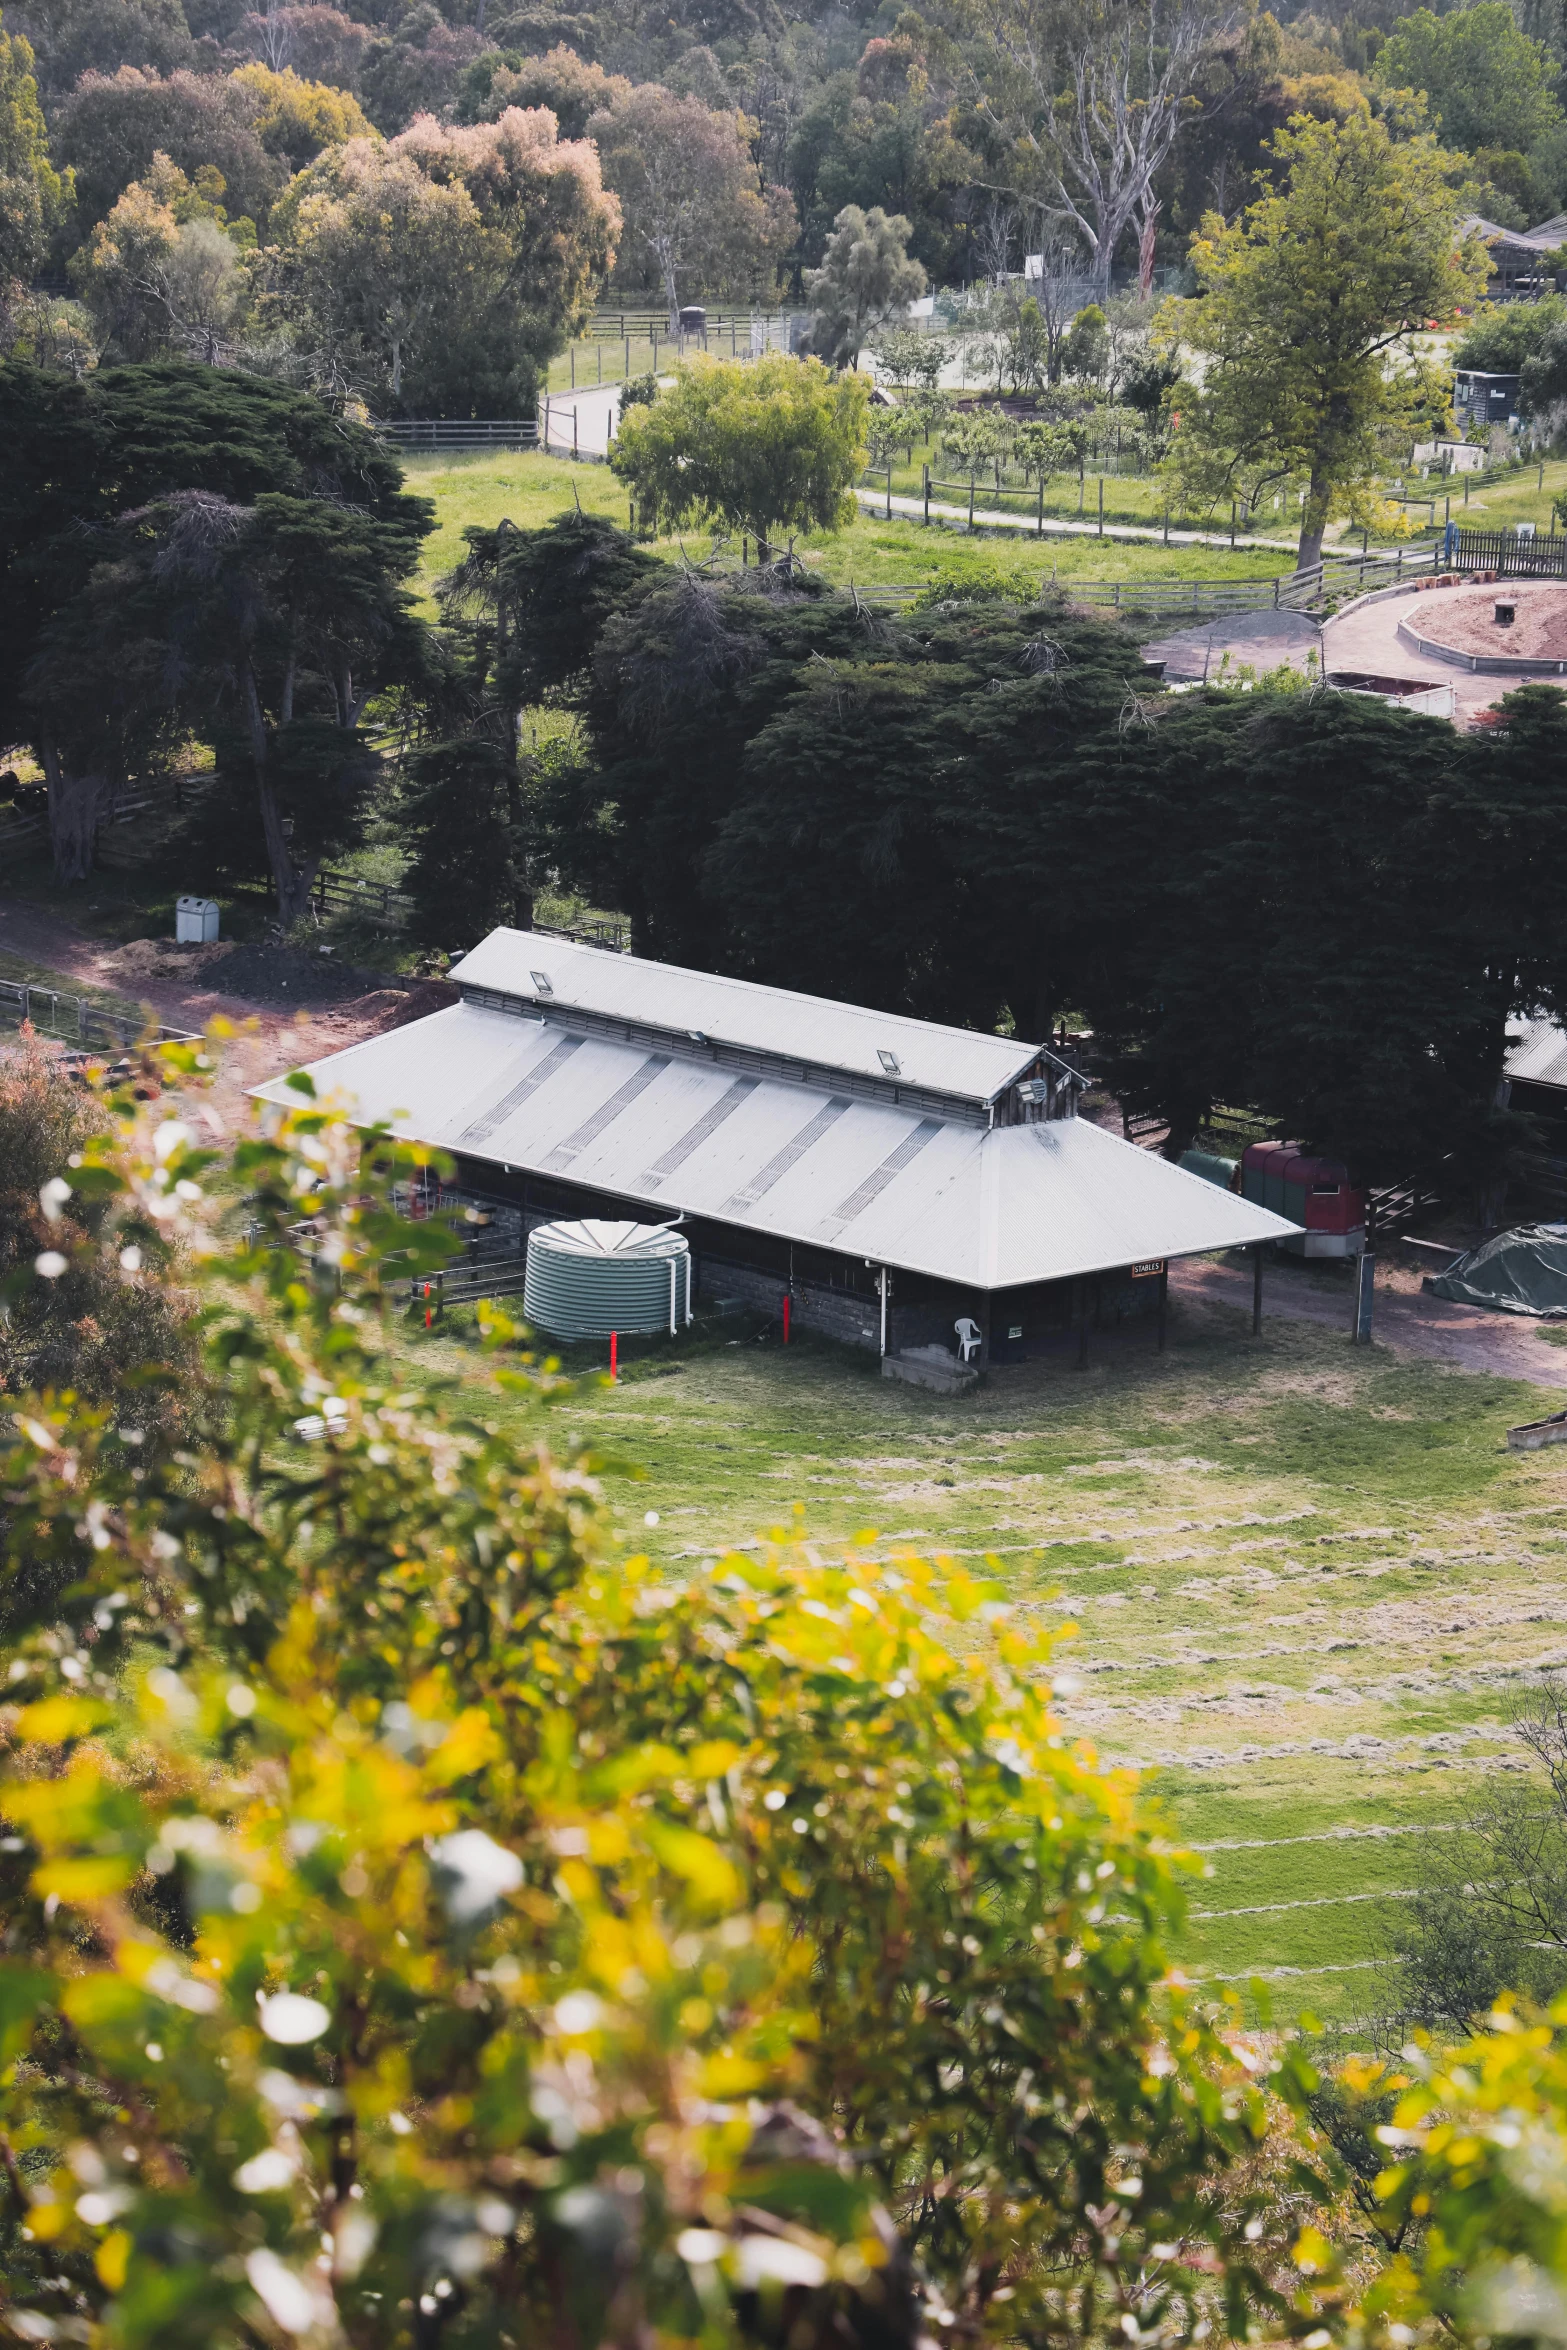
(588, 1278)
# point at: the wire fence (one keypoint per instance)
(82, 1020)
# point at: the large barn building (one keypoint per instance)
(889, 1176)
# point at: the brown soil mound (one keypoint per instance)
(257, 974)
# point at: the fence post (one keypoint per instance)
(971, 501)
(1400, 563)
(926, 471)
(1275, 591)
(1040, 532)
(889, 489)
(1101, 505)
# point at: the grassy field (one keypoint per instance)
(871, 552)
(1305, 1578)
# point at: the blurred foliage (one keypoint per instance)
(425, 1925)
(1478, 2153)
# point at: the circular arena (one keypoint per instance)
(1505, 627)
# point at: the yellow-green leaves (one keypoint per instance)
(415, 1905)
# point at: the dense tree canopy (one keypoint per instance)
(438, 271)
(96, 472)
(693, 212)
(33, 198)
(112, 125)
(1489, 85)
(1011, 828)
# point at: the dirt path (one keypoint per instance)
(1404, 1317)
(292, 1008)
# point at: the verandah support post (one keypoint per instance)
(984, 1333)
(1256, 1290)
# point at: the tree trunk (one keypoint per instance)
(516, 824)
(292, 882)
(1313, 523)
(73, 816)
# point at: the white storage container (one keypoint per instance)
(195, 921)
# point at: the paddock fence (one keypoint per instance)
(84, 1021)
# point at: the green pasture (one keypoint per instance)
(871, 552)
(1306, 1580)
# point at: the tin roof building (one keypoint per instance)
(888, 1175)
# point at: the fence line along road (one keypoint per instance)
(1300, 591)
(441, 434)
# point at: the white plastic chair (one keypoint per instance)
(968, 1337)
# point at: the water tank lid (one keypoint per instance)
(592, 1237)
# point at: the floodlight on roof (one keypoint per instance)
(889, 1061)
(697, 1035)
(543, 982)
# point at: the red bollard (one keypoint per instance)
(614, 1350)
(786, 1303)
(427, 1305)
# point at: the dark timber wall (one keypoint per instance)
(838, 1295)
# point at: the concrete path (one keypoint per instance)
(985, 518)
(1365, 638)
(581, 422)
(1404, 1318)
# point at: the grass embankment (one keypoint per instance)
(1306, 1577)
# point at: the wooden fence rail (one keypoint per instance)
(1511, 557)
(415, 433)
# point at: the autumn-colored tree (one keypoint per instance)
(297, 118)
(112, 125)
(443, 268)
(573, 88)
(160, 276)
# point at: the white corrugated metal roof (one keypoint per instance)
(986, 1207)
(804, 1028)
(1540, 1055)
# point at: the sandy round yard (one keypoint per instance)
(1463, 620)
